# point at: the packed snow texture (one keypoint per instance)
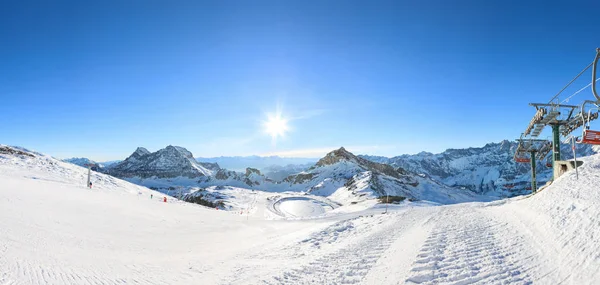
(54, 230)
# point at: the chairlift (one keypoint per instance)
(520, 154)
(588, 136)
(521, 158)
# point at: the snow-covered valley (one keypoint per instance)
(54, 230)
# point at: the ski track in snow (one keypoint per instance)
(464, 246)
(468, 251)
(348, 265)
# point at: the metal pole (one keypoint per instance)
(89, 174)
(575, 157)
(387, 201)
(533, 175)
(594, 74)
(555, 146)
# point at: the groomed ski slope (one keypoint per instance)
(53, 230)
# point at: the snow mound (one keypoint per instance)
(36, 166)
(567, 215)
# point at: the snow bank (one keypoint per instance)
(566, 218)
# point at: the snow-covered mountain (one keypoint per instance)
(489, 169)
(169, 162)
(340, 175)
(280, 172)
(175, 166)
(263, 163)
(81, 161)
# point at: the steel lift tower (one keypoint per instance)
(537, 149)
(563, 121)
(556, 116)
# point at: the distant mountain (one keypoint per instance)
(81, 161)
(169, 162)
(490, 169)
(279, 172)
(176, 166)
(240, 163)
(110, 163)
(340, 175)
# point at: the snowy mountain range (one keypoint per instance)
(82, 161)
(490, 169)
(340, 175)
(240, 163)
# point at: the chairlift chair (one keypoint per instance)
(589, 136)
(519, 158)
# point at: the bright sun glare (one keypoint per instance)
(276, 126)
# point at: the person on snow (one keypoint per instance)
(90, 184)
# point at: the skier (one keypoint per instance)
(151, 196)
(90, 184)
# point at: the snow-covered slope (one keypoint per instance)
(35, 166)
(567, 215)
(490, 169)
(54, 230)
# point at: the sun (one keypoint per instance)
(276, 126)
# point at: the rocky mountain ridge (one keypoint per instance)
(169, 162)
(340, 174)
(490, 169)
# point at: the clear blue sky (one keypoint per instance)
(97, 79)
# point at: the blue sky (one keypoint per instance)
(97, 79)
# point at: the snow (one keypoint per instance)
(291, 207)
(54, 230)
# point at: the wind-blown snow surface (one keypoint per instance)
(53, 230)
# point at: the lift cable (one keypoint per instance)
(568, 84)
(579, 91)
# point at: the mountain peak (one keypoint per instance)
(139, 152)
(337, 156)
(178, 149)
(171, 161)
